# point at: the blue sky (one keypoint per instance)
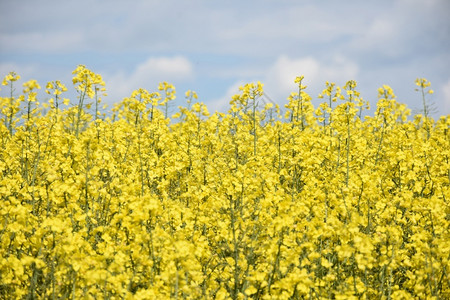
(212, 47)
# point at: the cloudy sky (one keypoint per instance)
(212, 47)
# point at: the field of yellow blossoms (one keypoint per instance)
(326, 202)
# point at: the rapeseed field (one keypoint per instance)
(326, 202)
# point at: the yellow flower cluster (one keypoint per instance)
(314, 203)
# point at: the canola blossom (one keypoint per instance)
(326, 202)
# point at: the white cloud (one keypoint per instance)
(222, 104)
(148, 74)
(279, 81)
(278, 78)
(281, 75)
(174, 67)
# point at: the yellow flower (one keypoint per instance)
(10, 78)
